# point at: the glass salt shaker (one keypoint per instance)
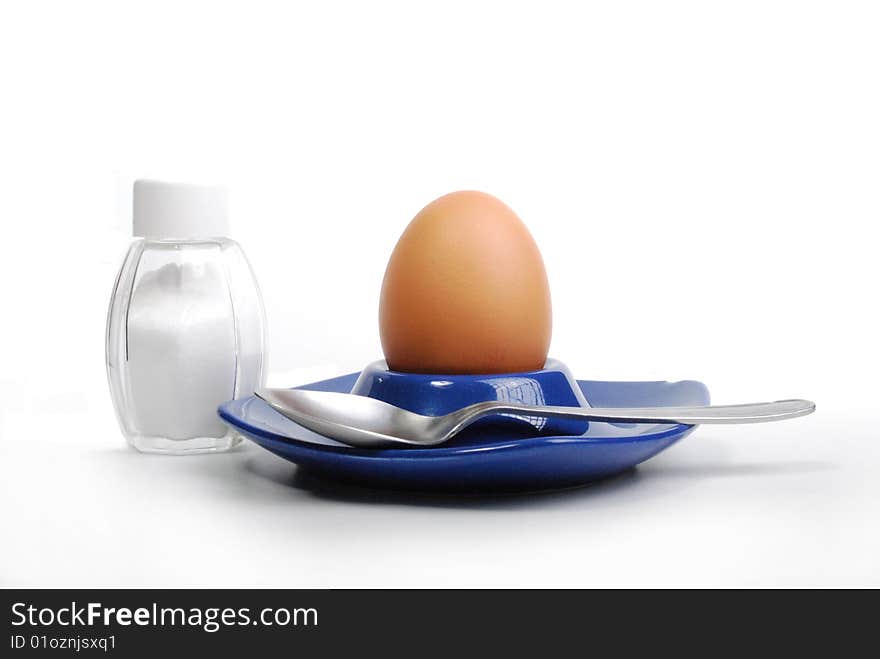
(185, 329)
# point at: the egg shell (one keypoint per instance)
(465, 291)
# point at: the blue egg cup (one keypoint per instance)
(436, 395)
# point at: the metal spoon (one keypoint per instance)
(367, 422)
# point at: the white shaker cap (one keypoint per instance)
(179, 210)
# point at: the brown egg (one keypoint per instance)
(465, 291)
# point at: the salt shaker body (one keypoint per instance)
(185, 329)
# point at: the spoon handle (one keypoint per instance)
(746, 413)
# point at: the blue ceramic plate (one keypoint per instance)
(489, 458)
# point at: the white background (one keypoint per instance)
(702, 179)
